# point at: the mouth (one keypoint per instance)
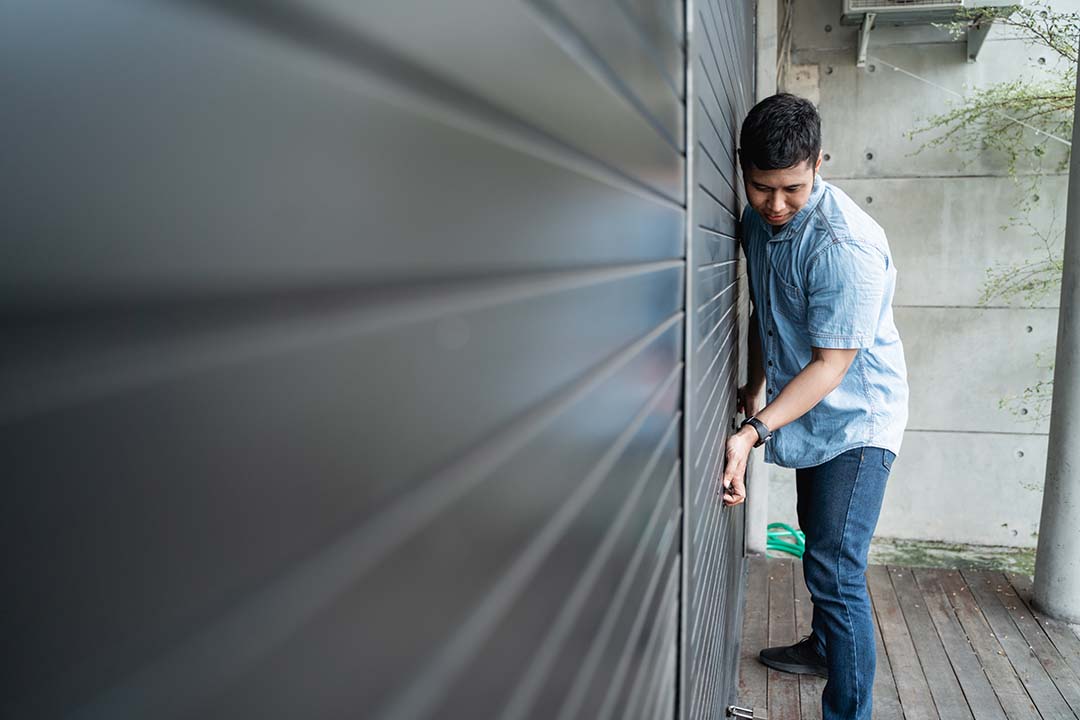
(775, 217)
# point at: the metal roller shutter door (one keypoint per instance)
(344, 363)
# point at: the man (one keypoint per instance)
(824, 346)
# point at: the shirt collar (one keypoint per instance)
(794, 225)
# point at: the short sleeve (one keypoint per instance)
(845, 285)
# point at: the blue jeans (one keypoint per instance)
(838, 505)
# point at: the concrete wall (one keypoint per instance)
(968, 471)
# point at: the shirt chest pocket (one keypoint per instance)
(788, 299)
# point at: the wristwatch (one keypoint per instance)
(763, 432)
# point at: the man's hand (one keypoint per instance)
(733, 486)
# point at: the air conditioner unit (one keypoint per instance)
(907, 12)
(918, 12)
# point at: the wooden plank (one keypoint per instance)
(944, 687)
(1050, 682)
(783, 687)
(810, 686)
(886, 699)
(1063, 637)
(753, 676)
(980, 696)
(911, 685)
(1008, 688)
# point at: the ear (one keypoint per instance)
(820, 157)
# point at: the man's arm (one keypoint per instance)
(820, 377)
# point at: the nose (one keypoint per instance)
(776, 205)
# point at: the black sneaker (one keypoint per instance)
(802, 658)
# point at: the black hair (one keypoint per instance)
(779, 132)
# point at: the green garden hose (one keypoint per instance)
(778, 530)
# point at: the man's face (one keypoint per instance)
(778, 194)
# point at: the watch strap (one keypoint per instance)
(762, 430)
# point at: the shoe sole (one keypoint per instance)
(795, 669)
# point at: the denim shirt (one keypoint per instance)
(827, 280)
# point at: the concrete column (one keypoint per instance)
(1057, 562)
(766, 27)
(757, 472)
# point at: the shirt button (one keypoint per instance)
(770, 333)
(770, 363)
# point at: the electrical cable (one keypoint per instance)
(933, 84)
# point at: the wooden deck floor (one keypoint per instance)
(952, 645)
